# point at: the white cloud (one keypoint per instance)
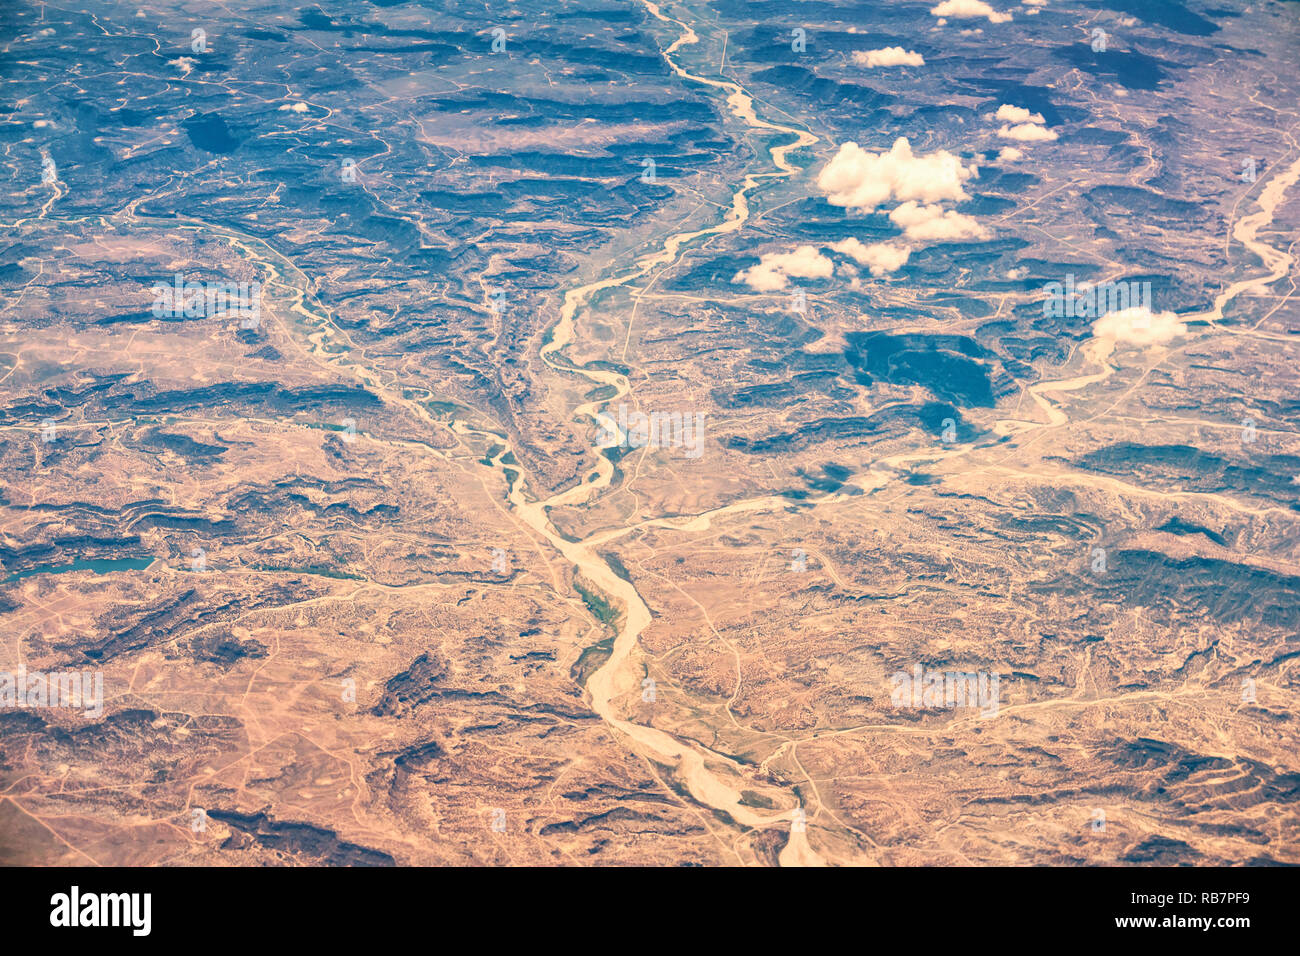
(880, 257)
(1028, 126)
(932, 224)
(1017, 114)
(1034, 3)
(775, 268)
(888, 56)
(295, 107)
(1009, 154)
(1139, 326)
(185, 64)
(969, 10)
(859, 179)
(1027, 133)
